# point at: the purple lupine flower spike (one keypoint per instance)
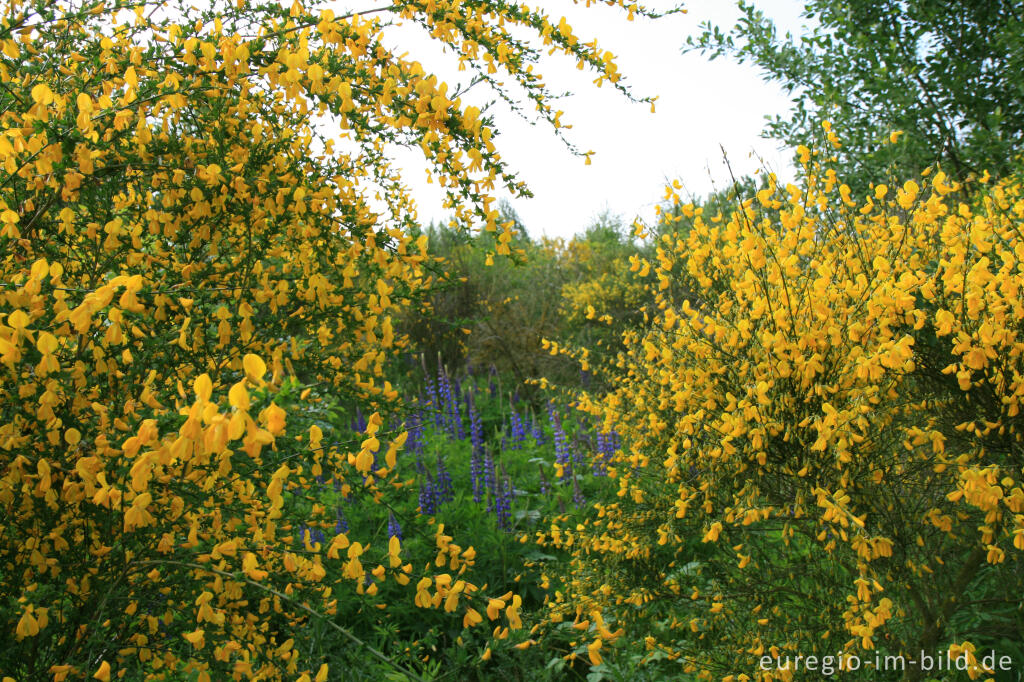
(476, 429)
(599, 466)
(577, 494)
(517, 430)
(359, 423)
(434, 402)
(476, 462)
(490, 480)
(394, 530)
(607, 445)
(536, 431)
(445, 488)
(476, 476)
(451, 416)
(341, 525)
(428, 496)
(503, 504)
(562, 450)
(492, 387)
(414, 426)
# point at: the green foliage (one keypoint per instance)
(501, 556)
(599, 275)
(949, 75)
(497, 312)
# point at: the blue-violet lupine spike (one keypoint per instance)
(456, 415)
(447, 405)
(562, 452)
(341, 526)
(476, 429)
(394, 530)
(476, 463)
(536, 431)
(601, 456)
(490, 480)
(517, 430)
(428, 496)
(414, 427)
(445, 488)
(503, 505)
(434, 403)
(476, 476)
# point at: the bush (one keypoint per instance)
(822, 435)
(194, 272)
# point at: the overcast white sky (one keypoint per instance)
(702, 104)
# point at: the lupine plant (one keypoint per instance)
(496, 495)
(493, 459)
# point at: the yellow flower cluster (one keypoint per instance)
(822, 425)
(199, 227)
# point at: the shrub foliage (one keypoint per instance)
(822, 434)
(193, 265)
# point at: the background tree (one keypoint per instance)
(599, 275)
(944, 77)
(496, 313)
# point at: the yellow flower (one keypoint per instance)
(713, 532)
(103, 672)
(494, 607)
(471, 618)
(27, 625)
(196, 638)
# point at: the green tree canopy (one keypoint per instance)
(946, 74)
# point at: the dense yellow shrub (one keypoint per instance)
(200, 227)
(822, 432)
